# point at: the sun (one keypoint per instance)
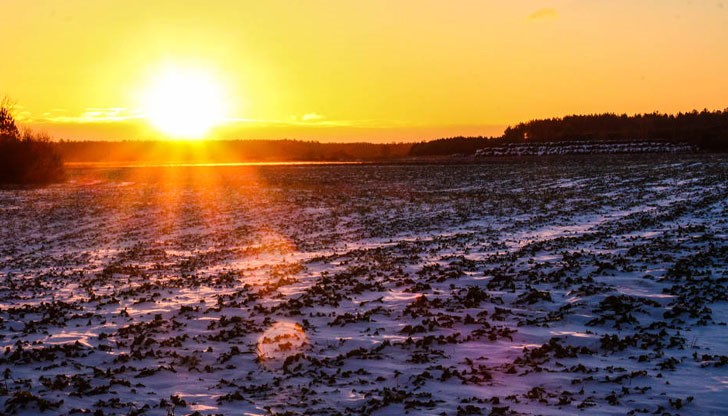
(184, 103)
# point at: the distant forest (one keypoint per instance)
(705, 130)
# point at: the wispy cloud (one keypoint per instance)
(312, 117)
(90, 115)
(545, 13)
(307, 120)
(20, 113)
(122, 115)
(314, 120)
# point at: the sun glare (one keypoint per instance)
(184, 103)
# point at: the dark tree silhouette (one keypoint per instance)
(7, 122)
(26, 158)
(450, 146)
(705, 130)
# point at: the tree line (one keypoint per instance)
(707, 130)
(26, 157)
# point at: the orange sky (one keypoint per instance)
(360, 70)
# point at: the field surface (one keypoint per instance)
(565, 285)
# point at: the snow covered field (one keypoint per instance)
(569, 285)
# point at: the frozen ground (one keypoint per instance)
(569, 285)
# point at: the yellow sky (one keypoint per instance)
(361, 70)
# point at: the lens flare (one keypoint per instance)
(280, 341)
